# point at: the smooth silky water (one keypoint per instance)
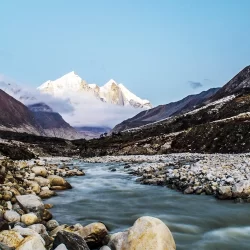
(114, 198)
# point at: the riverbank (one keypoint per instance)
(226, 176)
(26, 223)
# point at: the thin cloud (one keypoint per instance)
(93, 112)
(77, 109)
(195, 85)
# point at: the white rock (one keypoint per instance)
(105, 248)
(230, 180)
(12, 216)
(147, 233)
(10, 238)
(61, 247)
(9, 205)
(30, 202)
(39, 228)
(24, 231)
(40, 171)
(42, 181)
(32, 243)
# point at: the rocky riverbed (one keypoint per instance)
(226, 176)
(26, 223)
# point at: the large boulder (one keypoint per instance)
(43, 182)
(58, 181)
(72, 241)
(10, 238)
(147, 233)
(32, 242)
(40, 171)
(45, 194)
(30, 203)
(94, 234)
(241, 189)
(224, 192)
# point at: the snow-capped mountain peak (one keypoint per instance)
(110, 83)
(111, 92)
(70, 82)
(132, 97)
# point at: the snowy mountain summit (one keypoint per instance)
(111, 92)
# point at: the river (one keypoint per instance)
(197, 221)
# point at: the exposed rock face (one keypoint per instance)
(39, 120)
(163, 111)
(238, 84)
(15, 116)
(52, 123)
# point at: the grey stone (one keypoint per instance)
(72, 241)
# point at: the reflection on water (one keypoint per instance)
(197, 222)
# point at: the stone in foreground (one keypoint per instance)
(30, 203)
(72, 241)
(11, 216)
(10, 238)
(94, 234)
(31, 243)
(147, 233)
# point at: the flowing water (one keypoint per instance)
(114, 198)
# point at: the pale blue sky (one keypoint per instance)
(154, 47)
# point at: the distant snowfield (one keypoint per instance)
(80, 103)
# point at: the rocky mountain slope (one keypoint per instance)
(52, 123)
(38, 119)
(238, 84)
(14, 116)
(163, 111)
(220, 126)
(112, 92)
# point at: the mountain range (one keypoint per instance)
(164, 111)
(214, 121)
(92, 110)
(71, 84)
(218, 124)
